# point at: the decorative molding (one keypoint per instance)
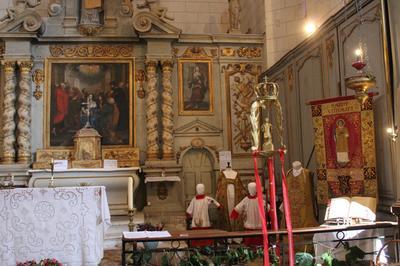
(126, 157)
(175, 51)
(140, 80)
(55, 8)
(2, 49)
(290, 78)
(146, 21)
(228, 51)
(91, 50)
(330, 49)
(38, 78)
(126, 8)
(249, 52)
(17, 20)
(195, 52)
(196, 128)
(240, 80)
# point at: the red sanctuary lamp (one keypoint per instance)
(362, 81)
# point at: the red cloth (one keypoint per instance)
(234, 214)
(61, 105)
(252, 241)
(202, 242)
(261, 210)
(200, 196)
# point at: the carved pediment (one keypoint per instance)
(148, 22)
(196, 128)
(28, 20)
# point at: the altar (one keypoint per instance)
(120, 183)
(63, 223)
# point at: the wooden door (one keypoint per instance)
(197, 168)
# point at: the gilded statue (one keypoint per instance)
(266, 128)
(342, 142)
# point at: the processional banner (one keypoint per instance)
(345, 147)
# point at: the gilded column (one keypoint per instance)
(8, 153)
(167, 111)
(151, 110)
(24, 113)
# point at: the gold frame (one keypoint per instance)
(47, 96)
(180, 86)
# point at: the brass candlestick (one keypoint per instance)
(131, 224)
(51, 181)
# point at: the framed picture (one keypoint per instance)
(196, 93)
(105, 85)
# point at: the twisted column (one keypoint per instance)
(24, 113)
(8, 153)
(151, 110)
(167, 111)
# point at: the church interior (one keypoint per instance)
(199, 132)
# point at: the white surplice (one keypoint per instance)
(198, 210)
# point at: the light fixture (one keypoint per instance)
(392, 133)
(310, 27)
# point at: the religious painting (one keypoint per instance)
(345, 148)
(240, 80)
(89, 92)
(196, 94)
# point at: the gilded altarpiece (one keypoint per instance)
(240, 80)
(345, 148)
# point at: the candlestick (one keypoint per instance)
(130, 193)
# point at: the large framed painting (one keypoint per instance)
(72, 83)
(196, 93)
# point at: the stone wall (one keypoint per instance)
(285, 21)
(252, 16)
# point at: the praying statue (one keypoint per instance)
(234, 16)
(341, 137)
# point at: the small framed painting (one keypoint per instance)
(196, 92)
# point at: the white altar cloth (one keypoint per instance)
(67, 224)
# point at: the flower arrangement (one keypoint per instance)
(150, 227)
(43, 262)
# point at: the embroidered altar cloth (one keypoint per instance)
(66, 223)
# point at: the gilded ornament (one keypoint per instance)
(195, 52)
(140, 79)
(38, 78)
(249, 52)
(91, 50)
(228, 52)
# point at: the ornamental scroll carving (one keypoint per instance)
(240, 80)
(91, 51)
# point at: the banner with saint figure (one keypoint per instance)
(345, 147)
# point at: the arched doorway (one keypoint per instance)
(197, 167)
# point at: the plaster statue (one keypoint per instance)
(234, 15)
(198, 208)
(155, 8)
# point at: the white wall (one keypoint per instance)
(199, 16)
(285, 20)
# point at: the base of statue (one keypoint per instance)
(87, 164)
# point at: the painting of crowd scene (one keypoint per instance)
(90, 94)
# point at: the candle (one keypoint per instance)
(130, 193)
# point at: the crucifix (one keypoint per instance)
(90, 104)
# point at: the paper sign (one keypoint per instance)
(110, 164)
(60, 165)
(225, 157)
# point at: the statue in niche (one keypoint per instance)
(266, 128)
(234, 16)
(91, 20)
(155, 8)
(342, 142)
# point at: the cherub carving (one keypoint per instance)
(155, 8)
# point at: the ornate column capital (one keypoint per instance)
(25, 66)
(167, 63)
(151, 63)
(9, 66)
